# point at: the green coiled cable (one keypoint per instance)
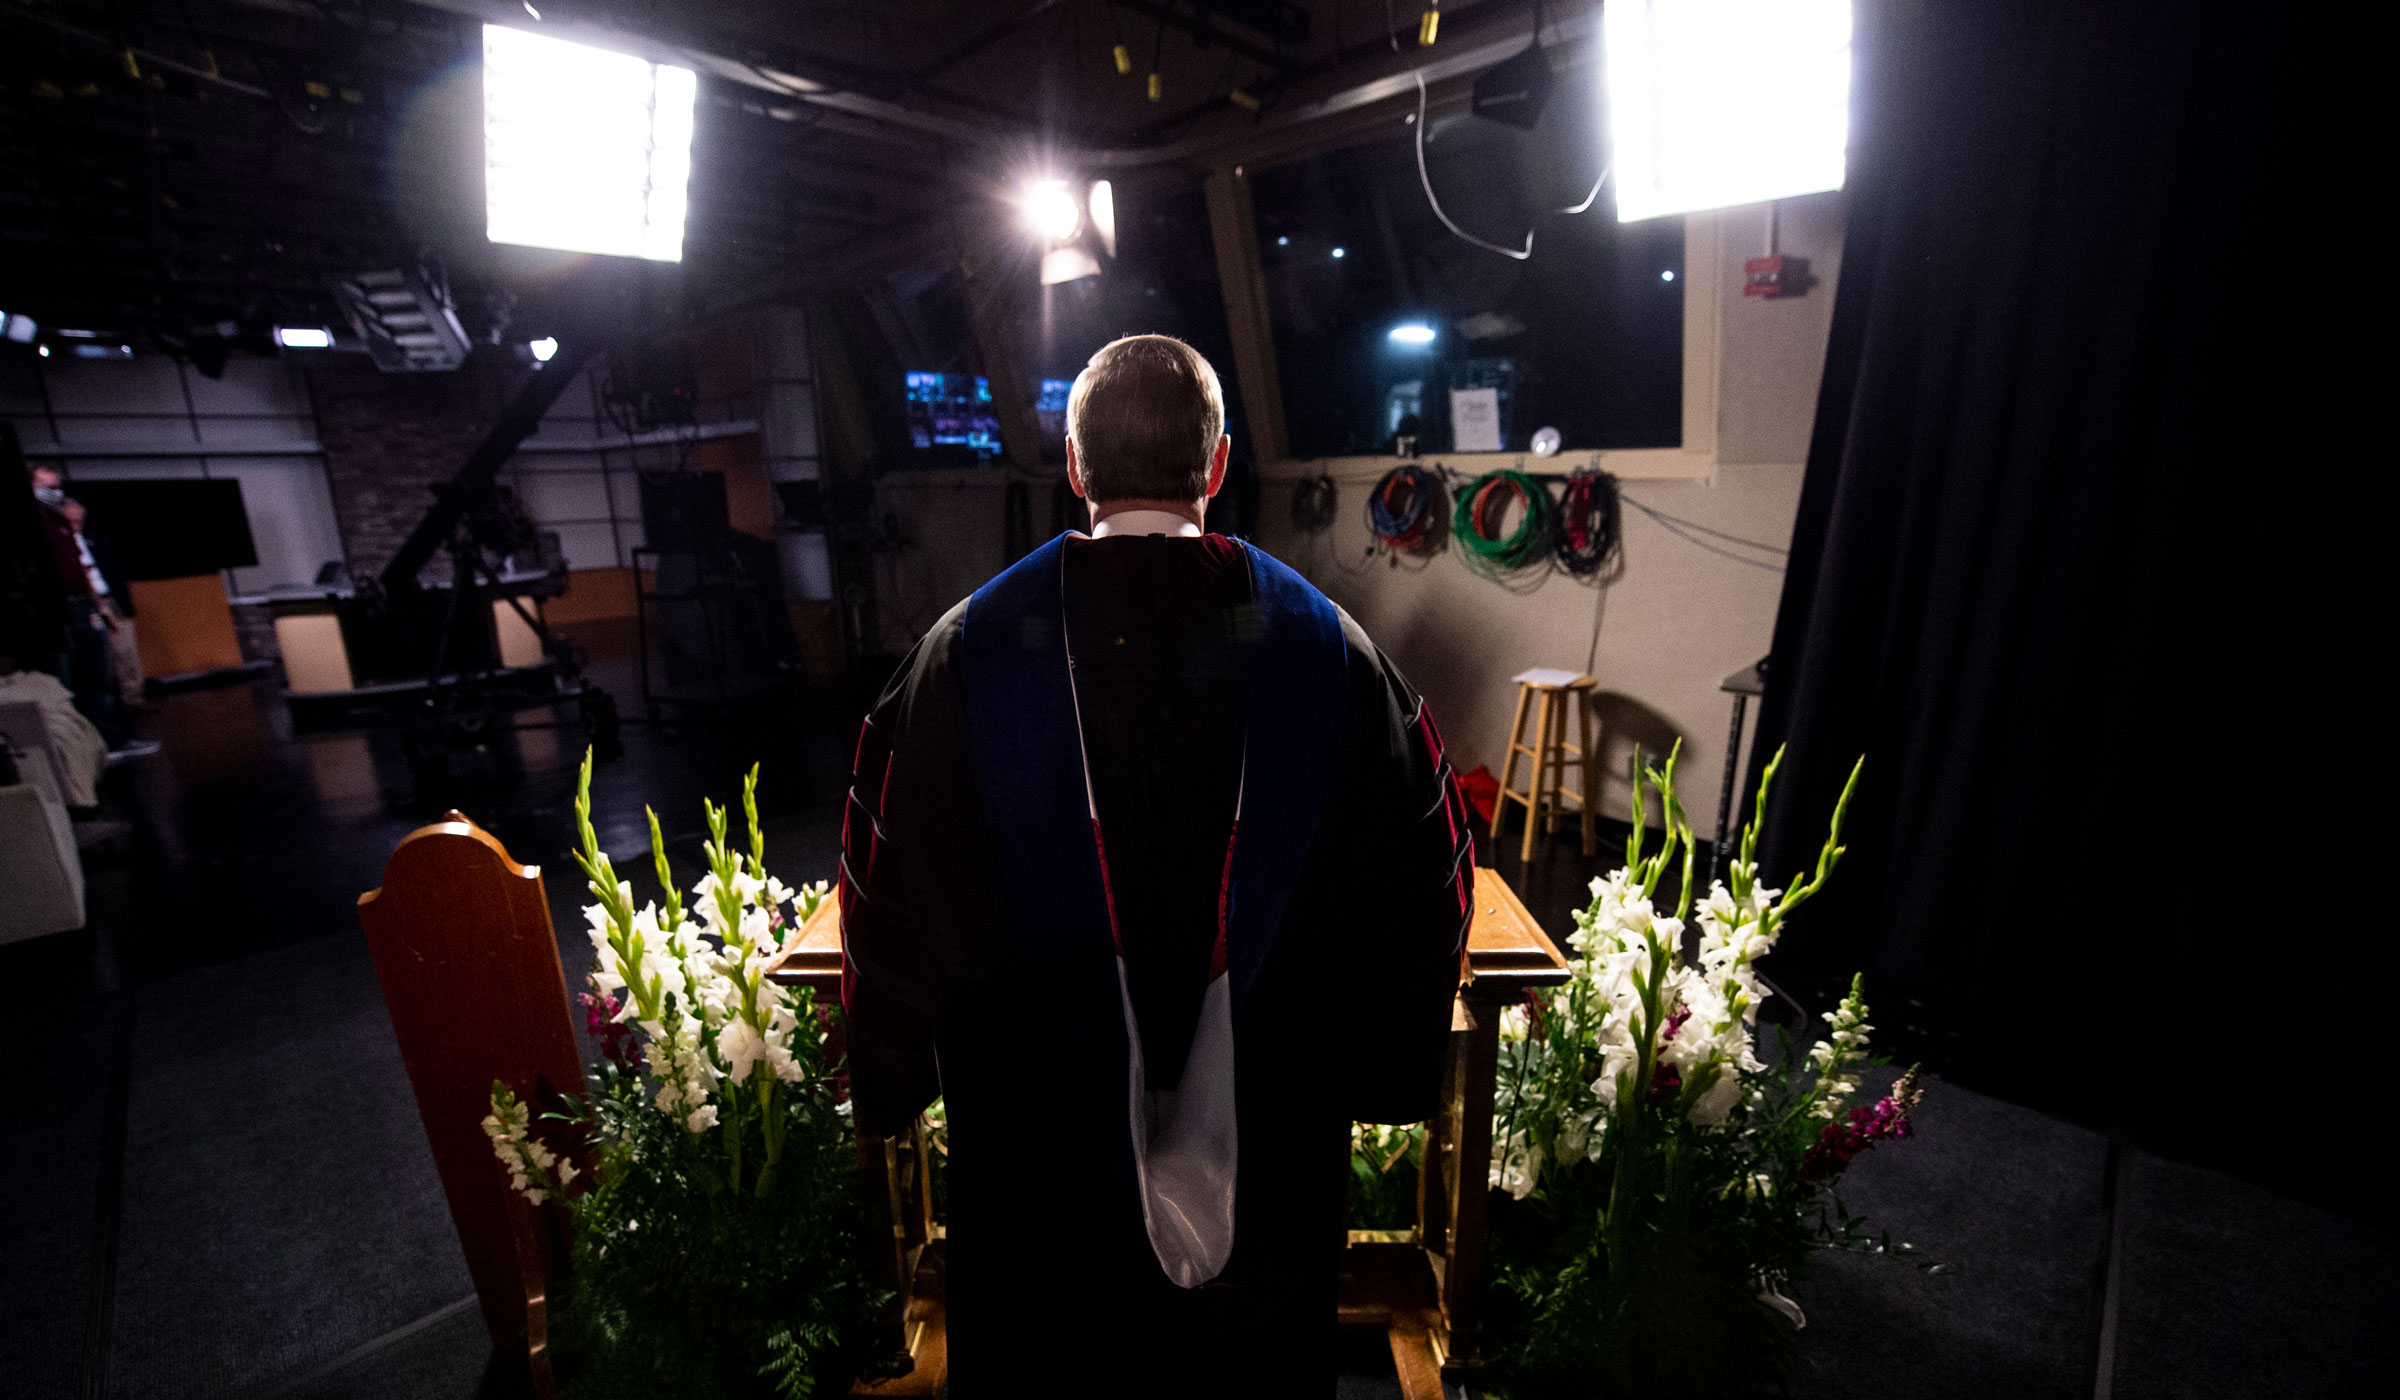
(1483, 504)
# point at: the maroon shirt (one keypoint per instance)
(64, 556)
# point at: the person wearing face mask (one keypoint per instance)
(85, 666)
(116, 606)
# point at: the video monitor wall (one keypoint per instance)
(952, 411)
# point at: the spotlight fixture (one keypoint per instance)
(1411, 333)
(584, 150)
(1074, 235)
(20, 327)
(1103, 203)
(543, 349)
(1714, 103)
(1050, 210)
(304, 337)
(1514, 92)
(1068, 265)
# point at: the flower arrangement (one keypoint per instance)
(1384, 1162)
(714, 1248)
(1657, 1184)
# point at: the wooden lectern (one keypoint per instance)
(463, 947)
(1422, 1288)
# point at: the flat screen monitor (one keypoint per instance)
(169, 528)
(952, 411)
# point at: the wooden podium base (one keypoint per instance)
(1423, 1288)
(927, 1336)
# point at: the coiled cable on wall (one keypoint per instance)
(1591, 524)
(1405, 510)
(1313, 502)
(1483, 505)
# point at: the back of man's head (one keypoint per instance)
(1144, 417)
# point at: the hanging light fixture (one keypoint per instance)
(1073, 234)
(1104, 216)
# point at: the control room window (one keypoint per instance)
(1389, 326)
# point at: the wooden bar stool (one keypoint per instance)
(1557, 692)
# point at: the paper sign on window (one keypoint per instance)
(1474, 420)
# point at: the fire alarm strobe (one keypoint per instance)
(1781, 276)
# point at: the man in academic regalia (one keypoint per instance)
(1154, 871)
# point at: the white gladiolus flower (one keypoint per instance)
(1516, 1166)
(1716, 1102)
(741, 1046)
(1574, 1140)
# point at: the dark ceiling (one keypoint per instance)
(170, 169)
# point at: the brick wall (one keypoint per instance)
(254, 628)
(389, 438)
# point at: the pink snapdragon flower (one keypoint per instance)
(1860, 1130)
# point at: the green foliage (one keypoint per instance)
(1383, 1175)
(684, 1286)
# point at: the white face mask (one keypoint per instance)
(50, 495)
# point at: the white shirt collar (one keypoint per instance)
(1145, 522)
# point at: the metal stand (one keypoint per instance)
(461, 707)
(1741, 685)
(715, 603)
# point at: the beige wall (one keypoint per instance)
(951, 540)
(1676, 620)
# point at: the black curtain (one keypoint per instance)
(2082, 567)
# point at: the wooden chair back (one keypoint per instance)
(463, 946)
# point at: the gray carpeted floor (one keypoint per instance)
(2008, 1203)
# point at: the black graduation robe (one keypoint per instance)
(956, 986)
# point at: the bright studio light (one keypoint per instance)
(304, 337)
(584, 150)
(21, 328)
(1050, 211)
(1410, 333)
(543, 349)
(1721, 102)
